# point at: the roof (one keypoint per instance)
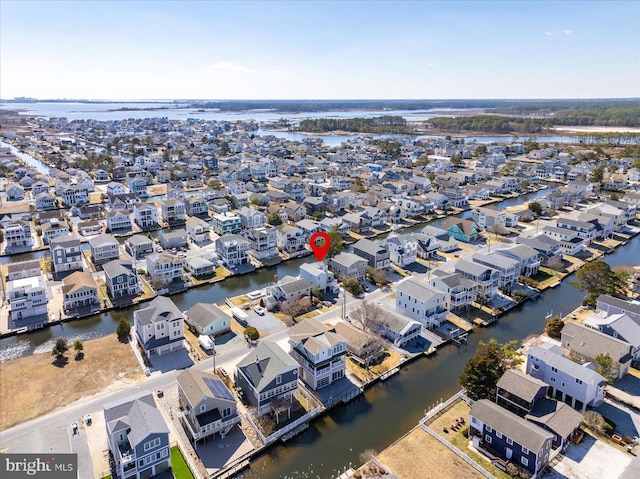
(204, 314)
(456, 279)
(117, 267)
(102, 240)
(371, 247)
(398, 323)
(137, 240)
(589, 342)
(23, 265)
(265, 363)
(521, 251)
(347, 259)
(160, 308)
(290, 285)
(495, 259)
(140, 416)
(521, 385)
(64, 241)
(516, 428)
(557, 416)
(553, 356)
(619, 303)
(355, 337)
(539, 242)
(466, 226)
(199, 385)
(78, 280)
(418, 289)
(473, 269)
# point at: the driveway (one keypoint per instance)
(266, 324)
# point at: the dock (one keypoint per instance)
(389, 373)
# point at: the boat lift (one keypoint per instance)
(456, 337)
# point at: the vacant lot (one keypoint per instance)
(420, 455)
(33, 385)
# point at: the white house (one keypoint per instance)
(164, 267)
(403, 249)
(421, 302)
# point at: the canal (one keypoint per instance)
(388, 410)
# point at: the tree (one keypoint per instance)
(252, 333)
(294, 307)
(124, 328)
(596, 174)
(255, 201)
(553, 328)
(482, 372)
(353, 286)
(317, 293)
(335, 242)
(278, 406)
(60, 347)
(456, 160)
(367, 315)
(274, 219)
(594, 421)
(597, 278)
(536, 208)
(1, 236)
(377, 276)
(606, 366)
(79, 347)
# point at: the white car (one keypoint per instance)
(259, 310)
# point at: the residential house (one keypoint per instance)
(207, 319)
(290, 239)
(138, 186)
(173, 211)
(80, 292)
(509, 269)
(403, 249)
(290, 288)
(138, 438)
(619, 326)
(73, 194)
(196, 205)
(485, 277)
(17, 234)
(318, 276)
(199, 266)
(548, 249)
(146, 216)
(586, 343)
(39, 187)
(263, 242)
(66, 254)
(349, 265)
(608, 305)
(363, 347)
(267, 374)
(251, 218)
(123, 201)
(397, 328)
(460, 291)
(121, 278)
(527, 257)
(574, 384)
(114, 188)
(233, 250)
(27, 297)
(138, 246)
(44, 201)
(320, 352)
(159, 327)
(489, 219)
(23, 269)
(462, 230)
(52, 229)
(226, 223)
(358, 222)
(118, 220)
(104, 248)
(89, 228)
(421, 302)
(585, 230)
(198, 230)
(375, 252)
(207, 406)
(517, 392)
(164, 267)
(14, 192)
(173, 239)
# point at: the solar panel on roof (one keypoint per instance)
(218, 388)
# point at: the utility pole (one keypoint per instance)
(213, 352)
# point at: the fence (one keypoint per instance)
(280, 432)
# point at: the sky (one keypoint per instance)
(319, 49)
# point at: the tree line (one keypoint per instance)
(379, 124)
(491, 124)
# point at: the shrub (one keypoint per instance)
(252, 333)
(124, 328)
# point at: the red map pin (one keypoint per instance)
(320, 243)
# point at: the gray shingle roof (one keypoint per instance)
(265, 363)
(160, 309)
(204, 314)
(140, 415)
(521, 385)
(417, 289)
(589, 342)
(557, 416)
(198, 385)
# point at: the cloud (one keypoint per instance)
(567, 32)
(228, 67)
(429, 65)
(548, 34)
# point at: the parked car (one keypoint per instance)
(88, 420)
(259, 310)
(74, 428)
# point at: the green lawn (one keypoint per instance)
(179, 466)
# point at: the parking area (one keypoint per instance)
(266, 323)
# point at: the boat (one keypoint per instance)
(549, 314)
(205, 342)
(240, 315)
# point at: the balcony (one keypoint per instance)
(126, 453)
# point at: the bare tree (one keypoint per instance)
(367, 314)
(295, 307)
(372, 351)
(278, 406)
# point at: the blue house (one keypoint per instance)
(499, 433)
(207, 319)
(462, 230)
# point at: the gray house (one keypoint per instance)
(375, 252)
(138, 246)
(173, 239)
(207, 319)
(138, 438)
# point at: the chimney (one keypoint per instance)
(258, 364)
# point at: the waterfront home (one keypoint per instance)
(89, 228)
(396, 328)
(124, 201)
(138, 438)
(586, 343)
(290, 288)
(198, 230)
(80, 291)
(72, 195)
(121, 278)
(199, 267)
(17, 234)
(44, 201)
(548, 249)
(348, 265)
(460, 291)
(526, 256)
(66, 254)
(176, 238)
(138, 246)
(509, 269)
(163, 267)
(196, 205)
(138, 186)
(23, 269)
(375, 252)
(485, 277)
(104, 248)
(290, 239)
(233, 250)
(173, 211)
(14, 192)
(86, 212)
(207, 319)
(462, 230)
(251, 218)
(263, 242)
(207, 406)
(267, 374)
(358, 222)
(608, 305)
(317, 274)
(619, 326)
(308, 227)
(362, 347)
(114, 188)
(39, 187)
(145, 216)
(52, 229)
(118, 221)
(517, 392)
(226, 223)
(499, 432)
(489, 219)
(159, 327)
(421, 302)
(445, 241)
(584, 229)
(320, 352)
(403, 249)
(574, 384)
(27, 297)
(328, 224)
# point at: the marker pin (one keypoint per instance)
(320, 250)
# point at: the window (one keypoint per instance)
(487, 438)
(579, 381)
(203, 408)
(524, 461)
(489, 429)
(509, 441)
(525, 450)
(553, 380)
(498, 435)
(278, 379)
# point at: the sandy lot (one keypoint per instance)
(591, 459)
(32, 386)
(418, 455)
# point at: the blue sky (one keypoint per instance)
(319, 49)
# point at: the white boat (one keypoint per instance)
(549, 314)
(205, 341)
(240, 315)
